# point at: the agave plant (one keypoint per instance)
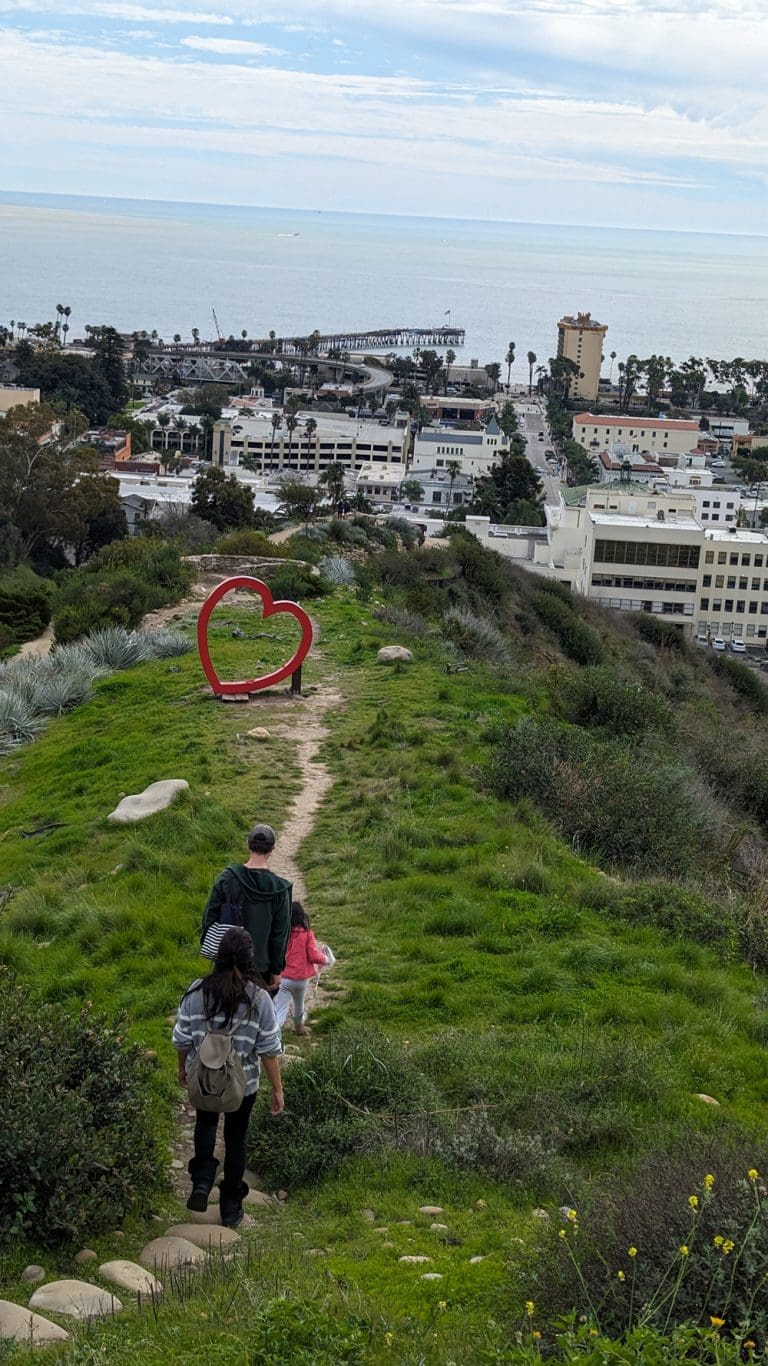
(166, 643)
(116, 648)
(18, 722)
(336, 569)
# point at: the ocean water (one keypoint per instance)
(139, 264)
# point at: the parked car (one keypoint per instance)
(550, 455)
(718, 643)
(738, 647)
(541, 436)
(702, 639)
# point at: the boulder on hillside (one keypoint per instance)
(390, 654)
(156, 797)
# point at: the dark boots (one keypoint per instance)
(231, 1203)
(203, 1172)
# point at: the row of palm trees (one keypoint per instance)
(510, 360)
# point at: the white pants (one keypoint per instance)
(291, 991)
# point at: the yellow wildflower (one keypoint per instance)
(593, 1332)
(684, 1250)
(572, 1215)
(693, 1201)
(442, 1304)
(389, 1338)
(709, 1181)
(536, 1334)
(749, 1345)
(728, 1247)
(718, 1240)
(716, 1322)
(562, 1232)
(631, 1251)
(621, 1276)
(529, 1308)
(753, 1173)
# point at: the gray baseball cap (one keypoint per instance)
(261, 839)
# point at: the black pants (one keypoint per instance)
(203, 1165)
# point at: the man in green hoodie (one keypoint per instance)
(265, 900)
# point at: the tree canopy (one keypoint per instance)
(221, 499)
(510, 483)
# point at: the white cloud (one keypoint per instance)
(231, 47)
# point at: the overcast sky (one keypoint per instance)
(652, 113)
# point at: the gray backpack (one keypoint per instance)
(215, 1077)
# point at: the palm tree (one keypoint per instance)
(510, 360)
(411, 491)
(531, 363)
(291, 423)
(310, 427)
(196, 335)
(333, 478)
(60, 312)
(450, 357)
(164, 422)
(177, 337)
(453, 470)
(277, 422)
(610, 372)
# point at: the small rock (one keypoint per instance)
(33, 1273)
(282, 1195)
(404, 1223)
(118, 868)
(439, 1228)
(154, 798)
(316, 1252)
(259, 733)
(431, 1276)
(473, 1261)
(259, 1198)
(207, 1236)
(84, 1256)
(388, 654)
(131, 1276)
(481, 1204)
(118, 1235)
(380, 1228)
(211, 1215)
(165, 1254)
(387, 1245)
(77, 1299)
(31, 1330)
(708, 1100)
(177, 1164)
(540, 1213)
(368, 1215)
(414, 1260)
(430, 1209)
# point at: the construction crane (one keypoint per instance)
(219, 333)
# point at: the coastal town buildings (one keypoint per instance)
(634, 548)
(474, 451)
(353, 442)
(647, 435)
(580, 339)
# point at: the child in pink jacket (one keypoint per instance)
(302, 955)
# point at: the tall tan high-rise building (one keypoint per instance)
(580, 339)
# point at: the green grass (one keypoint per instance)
(463, 928)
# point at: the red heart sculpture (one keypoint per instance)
(271, 609)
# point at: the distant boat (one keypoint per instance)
(289, 234)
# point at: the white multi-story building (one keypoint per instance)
(435, 448)
(353, 442)
(643, 550)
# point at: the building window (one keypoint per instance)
(709, 557)
(734, 559)
(758, 561)
(704, 604)
(717, 605)
(740, 605)
(719, 581)
(729, 604)
(743, 581)
(705, 503)
(731, 581)
(753, 609)
(750, 630)
(721, 557)
(647, 552)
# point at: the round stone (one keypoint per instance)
(33, 1273)
(76, 1299)
(130, 1276)
(18, 1324)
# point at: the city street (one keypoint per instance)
(532, 419)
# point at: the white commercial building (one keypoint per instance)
(651, 435)
(643, 550)
(353, 442)
(435, 448)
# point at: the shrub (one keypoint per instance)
(335, 569)
(118, 585)
(743, 680)
(555, 587)
(679, 911)
(659, 632)
(725, 1234)
(25, 607)
(472, 1144)
(249, 542)
(579, 641)
(478, 636)
(79, 1151)
(337, 1103)
(295, 582)
(622, 803)
(483, 570)
(403, 618)
(409, 534)
(598, 697)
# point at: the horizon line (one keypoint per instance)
(365, 213)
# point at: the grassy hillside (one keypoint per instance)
(522, 1023)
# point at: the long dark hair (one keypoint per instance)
(232, 978)
(299, 918)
